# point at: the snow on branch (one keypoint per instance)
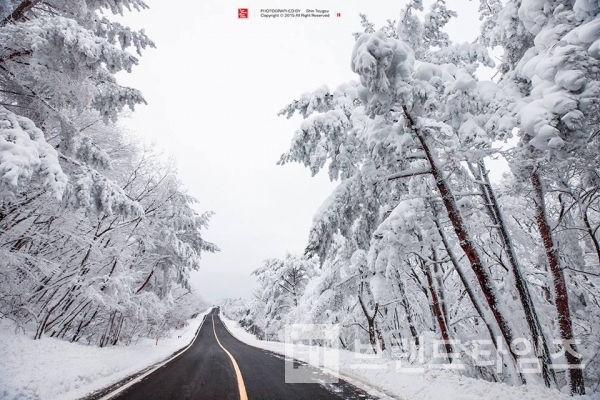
(25, 152)
(408, 173)
(83, 51)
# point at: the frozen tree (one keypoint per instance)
(282, 282)
(58, 59)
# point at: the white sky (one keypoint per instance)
(214, 86)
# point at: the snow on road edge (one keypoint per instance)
(277, 347)
(429, 385)
(54, 369)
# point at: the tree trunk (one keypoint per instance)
(540, 343)
(407, 311)
(83, 325)
(42, 326)
(591, 232)
(474, 300)
(105, 337)
(67, 323)
(145, 282)
(380, 338)
(437, 275)
(19, 12)
(117, 334)
(437, 309)
(561, 297)
(371, 324)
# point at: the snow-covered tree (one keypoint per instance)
(57, 60)
(282, 282)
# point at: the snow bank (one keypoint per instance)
(54, 369)
(378, 374)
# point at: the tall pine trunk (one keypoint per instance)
(561, 297)
(437, 307)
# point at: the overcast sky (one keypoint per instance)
(214, 86)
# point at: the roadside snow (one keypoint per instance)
(381, 375)
(53, 369)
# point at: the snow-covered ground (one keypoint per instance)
(53, 369)
(377, 374)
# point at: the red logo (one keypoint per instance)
(339, 14)
(243, 13)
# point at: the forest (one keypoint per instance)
(417, 243)
(97, 234)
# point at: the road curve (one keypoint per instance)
(205, 371)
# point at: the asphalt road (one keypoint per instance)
(206, 371)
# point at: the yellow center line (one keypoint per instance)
(238, 374)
